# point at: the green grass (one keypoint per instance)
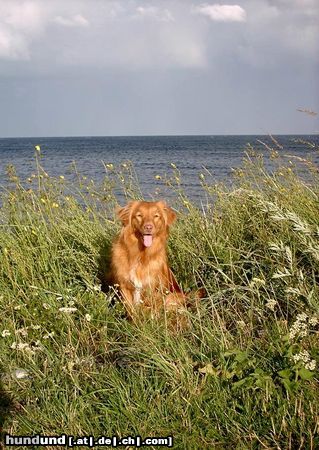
(231, 379)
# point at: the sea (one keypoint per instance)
(151, 156)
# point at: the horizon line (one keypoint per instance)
(156, 135)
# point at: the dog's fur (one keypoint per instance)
(139, 262)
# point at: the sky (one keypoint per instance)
(143, 67)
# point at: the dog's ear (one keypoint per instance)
(124, 213)
(169, 213)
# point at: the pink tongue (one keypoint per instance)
(148, 239)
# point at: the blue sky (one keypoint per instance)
(99, 67)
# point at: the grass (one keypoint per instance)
(243, 375)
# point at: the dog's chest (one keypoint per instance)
(144, 275)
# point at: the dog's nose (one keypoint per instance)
(148, 227)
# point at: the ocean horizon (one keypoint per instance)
(152, 156)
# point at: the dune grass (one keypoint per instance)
(242, 375)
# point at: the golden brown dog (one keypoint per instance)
(139, 262)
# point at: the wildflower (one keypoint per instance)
(49, 335)
(20, 374)
(46, 306)
(17, 308)
(110, 166)
(5, 333)
(311, 365)
(62, 177)
(67, 310)
(37, 148)
(97, 288)
(23, 331)
(202, 176)
(55, 205)
(271, 303)
(313, 320)
(301, 356)
(299, 327)
(304, 358)
(88, 317)
(158, 177)
(302, 317)
(71, 303)
(124, 165)
(23, 346)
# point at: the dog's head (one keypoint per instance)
(147, 219)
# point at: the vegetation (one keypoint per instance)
(243, 372)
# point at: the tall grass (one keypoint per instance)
(242, 374)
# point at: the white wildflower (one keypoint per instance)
(88, 317)
(5, 333)
(271, 303)
(67, 309)
(49, 335)
(97, 288)
(311, 365)
(20, 374)
(313, 320)
(302, 356)
(302, 317)
(23, 331)
(300, 326)
(23, 346)
(17, 308)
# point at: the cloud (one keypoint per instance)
(222, 13)
(75, 21)
(155, 13)
(19, 24)
(140, 34)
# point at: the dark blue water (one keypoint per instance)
(151, 156)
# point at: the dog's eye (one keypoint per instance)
(156, 215)
(138, 215)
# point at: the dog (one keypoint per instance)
(139, 263)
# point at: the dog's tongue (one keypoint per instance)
(147, 239)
